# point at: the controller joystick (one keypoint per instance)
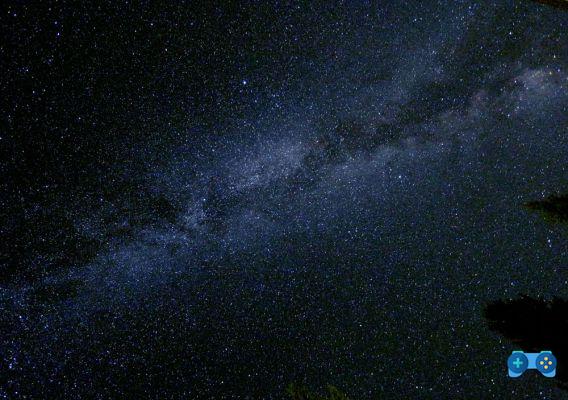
(519, 362)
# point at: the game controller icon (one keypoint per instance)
(519, 362)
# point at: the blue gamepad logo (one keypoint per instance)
(519, 362)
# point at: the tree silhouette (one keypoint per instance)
(553, 209)
(536, 324)
(301, 392)
(533, 325)
(561, 4)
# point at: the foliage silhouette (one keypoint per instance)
(536, 324)
(300, 392)
(533, 325)
(553, 209)
(561, 4)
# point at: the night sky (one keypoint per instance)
(213, 200)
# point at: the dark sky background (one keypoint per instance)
(214, 200)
